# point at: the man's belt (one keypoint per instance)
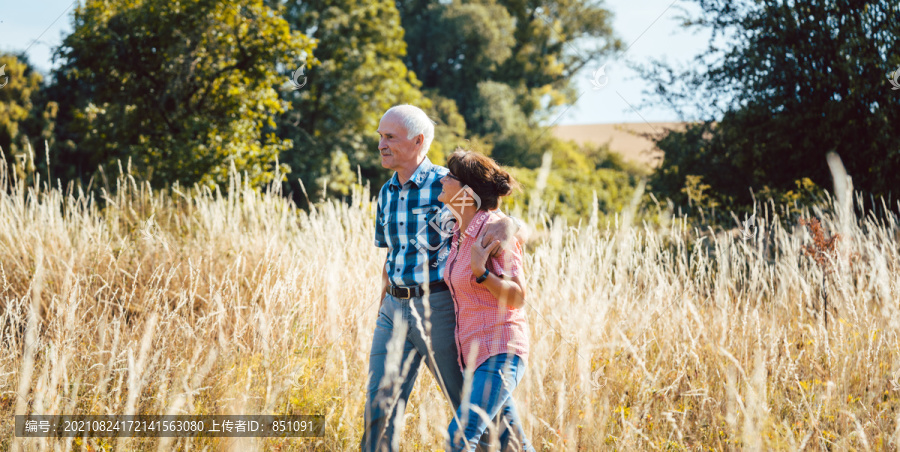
(415, 291)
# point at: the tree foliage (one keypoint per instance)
(785, 82)
(505, 64)
(184, 90)
(334, 117)
(26, 119)
(20, 83)
(579, 179)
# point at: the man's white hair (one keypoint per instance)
(416, 122)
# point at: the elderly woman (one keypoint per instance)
(489, 295)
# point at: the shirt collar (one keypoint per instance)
(477, 221)
(418, 176)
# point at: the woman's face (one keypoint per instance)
(452, 187)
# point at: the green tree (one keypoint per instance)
(182, 89)
(506, 63)
(454, 46)
(25, 119)
(785, 82)
(576, 175)
(334, 118)
(450, 131)
(20, 83)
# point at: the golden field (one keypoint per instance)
(643, 336)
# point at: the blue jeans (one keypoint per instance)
(491, 394)
(389, 388)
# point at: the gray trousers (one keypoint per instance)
(394, 366)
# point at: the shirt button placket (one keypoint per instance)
(402, 207)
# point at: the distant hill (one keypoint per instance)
(627, 139)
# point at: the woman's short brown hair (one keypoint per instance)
(483, 175)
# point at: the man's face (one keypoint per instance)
(397, 151)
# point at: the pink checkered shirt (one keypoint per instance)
(478, 317)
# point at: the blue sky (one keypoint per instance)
(650, 27)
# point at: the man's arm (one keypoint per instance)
(384, 280)
(504, 230)
(523, 232)
(381, 242)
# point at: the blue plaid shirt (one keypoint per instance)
(414, 226)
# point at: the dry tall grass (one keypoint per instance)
(643, 338)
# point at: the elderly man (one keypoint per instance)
(408, 225)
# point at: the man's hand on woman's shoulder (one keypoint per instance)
(504, 230)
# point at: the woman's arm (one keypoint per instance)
(509, 291)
